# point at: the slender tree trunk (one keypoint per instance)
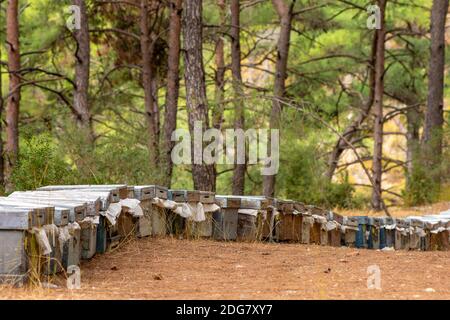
(13, 101)
(173, 87)
(82, 66)
(2, 177)
(351, 132)
(412, 138)
(434, 115)
(285, 15)
(377, 166)
(217, 116)
(148, 83)
(239, 107)
(196, 102)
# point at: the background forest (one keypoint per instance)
(361, 111)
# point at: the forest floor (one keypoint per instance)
(203, 269)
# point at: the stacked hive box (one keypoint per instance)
(21, 256)
(195, 209)
(104, 222)
(154, 220)
(225, 220)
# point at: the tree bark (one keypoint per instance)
(239, 107)
(219, 79)
(351, 132)
(434, 115)
(147, 47)
(82, 66)
(196, 102)
(285, 14)
(377, 166)
(173, 87)
(2, 177)
(13, 101)
(412, 137)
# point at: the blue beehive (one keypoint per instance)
(361, 234)
(381, 221)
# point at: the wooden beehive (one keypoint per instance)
(307, 223)
(252, 227)
(351, 225)
(289, 225)
(225, 221)
(335, 235)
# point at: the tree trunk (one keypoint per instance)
(412, 138)
(2, 177)
(239, 119)
(217, 116)
(434, 115)
(351, 132)
(285, 14)
(82, 65)
(147, 47)
(173, 87)
(13, 101)
(377, 166)
(196, 102)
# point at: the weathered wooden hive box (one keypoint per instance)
(289, 224)
(318, 233)
(225, 220)
(155, 217)
(199, 203)
(97, 200)
(437, 226)
(71, 254)
(351, 227)
(115, 192)
(271, 223)
(53, 264)
(22, 241)
(402, 234)
(251, 218)
(388, 232)
(335, 221)
(376, 224)
(418, 238)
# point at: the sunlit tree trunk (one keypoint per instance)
(434, 115)
(196, 102)
(13, 101)
(239, 106)
(377, 165)
(148, 78)
(173, 86)
(82, 69)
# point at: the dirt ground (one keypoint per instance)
(204, 269)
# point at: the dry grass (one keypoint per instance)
(203, 269)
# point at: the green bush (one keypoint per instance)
(40, 164)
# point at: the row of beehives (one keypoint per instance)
(46, 231)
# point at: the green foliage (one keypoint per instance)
(420, 188)
(302, 178)
(40, 163)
